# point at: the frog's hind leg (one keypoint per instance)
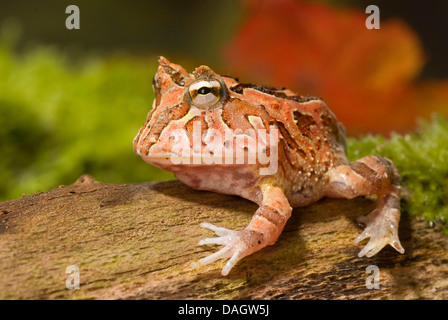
(367, 176)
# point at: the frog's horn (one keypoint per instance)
(205, 72)
(178, 74)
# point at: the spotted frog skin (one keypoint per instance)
(310, 149)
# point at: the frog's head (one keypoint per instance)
(192, 115)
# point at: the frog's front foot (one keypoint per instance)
(237, 245)
(382, 229)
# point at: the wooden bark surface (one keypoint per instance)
(136, 241)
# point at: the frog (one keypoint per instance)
(308, 142)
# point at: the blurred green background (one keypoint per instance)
(71, 101)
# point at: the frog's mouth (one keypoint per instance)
(192, 166)
(177, 148)
(198, 159)
(177, 162)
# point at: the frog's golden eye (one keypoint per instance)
(205, 93)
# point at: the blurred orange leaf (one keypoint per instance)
(367, 77)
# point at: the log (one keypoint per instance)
(137, 241)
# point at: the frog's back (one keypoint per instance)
(312, 139)
(309, 129)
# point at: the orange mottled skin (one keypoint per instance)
(311, 157)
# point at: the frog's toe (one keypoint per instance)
(224, 253)
(225, 235)
(381, 232)
(220, 231)
(237, 245)
(372, 248)
(237, 256)
(221, 254)
(218, 241)
(376, 244)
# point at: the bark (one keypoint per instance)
(136, 241)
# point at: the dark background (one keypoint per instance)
(193, 29)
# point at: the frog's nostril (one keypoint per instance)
(141, 144)
(144, 148)
(135, 142)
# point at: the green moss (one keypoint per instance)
(422, 161)
(60, 119)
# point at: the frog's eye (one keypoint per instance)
(205, 93)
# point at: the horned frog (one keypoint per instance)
(310, 156)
